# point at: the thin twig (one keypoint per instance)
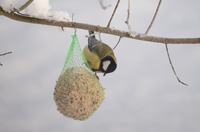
(172, 66)
(127, 20)
(117, 42)
(154, 16)
(128, 13)
(25, 5)
(6, 53)
(3, 54)
(97, 28)
(104, 7)
(108, 25)
(166, 46)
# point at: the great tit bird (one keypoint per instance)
(99, 55)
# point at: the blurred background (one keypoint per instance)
(142, 95)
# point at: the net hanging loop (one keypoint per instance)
(73, 21)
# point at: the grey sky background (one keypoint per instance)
(142, 95)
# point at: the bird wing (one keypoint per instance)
(102, 50)
(92, 59)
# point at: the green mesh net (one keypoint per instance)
(75, 57)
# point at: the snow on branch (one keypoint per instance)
(34, 8)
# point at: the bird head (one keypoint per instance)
(108, 65)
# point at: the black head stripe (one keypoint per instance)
(111, 67)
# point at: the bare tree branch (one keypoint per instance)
(116, 32)
(108, 25)
(172, 66)
(154, 16)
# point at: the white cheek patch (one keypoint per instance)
(106, 64)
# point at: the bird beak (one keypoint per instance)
(104, 74)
